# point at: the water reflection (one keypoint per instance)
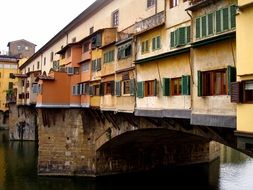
(18, 161)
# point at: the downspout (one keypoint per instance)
(191, 60)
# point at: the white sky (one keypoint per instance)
(36, 20)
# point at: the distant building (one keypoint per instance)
(21, 48)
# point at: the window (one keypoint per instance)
(242, 92)
(216, 22)
(86, 47)
(94, 90)
(180, 37)
(173, 3)
(109, 56)
(124, 51)
(248, 91)
(84, 88)
(18, 48)
(73, 39)
(216, 82)
(75, 90)
(52, 56)
(96, 65)
(56, 65)
(33, 67)
(11, 76)
(150, 3)
(85, 67)
(68, 53)
(108, 88)
(45, 60)
(156, 43)
(145, 46)
(176, 86)
(115, 18)
(126, 87)
(38, 65)
(147, 88)
(91, 30)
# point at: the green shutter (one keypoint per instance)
(155, 87)
(198, 28)
(203, 26)
(225, 19)
(101, 89)
(231, 75)
(166, 86)
(232, 16)
(153, 43)
(99, 64)
(140, 89)
(158, 41)
(142, 47)
(132, 87)
(177, 37)
(199, 83)
(186, 85)
(172, 39)
(112, 87)
(210, 24)
(118, 88)
(182, 34)
(188, 34)
(218, 21)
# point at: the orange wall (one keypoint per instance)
(109, 35)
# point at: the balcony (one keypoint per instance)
(150, 23)
(198, 4)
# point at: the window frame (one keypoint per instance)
(115, 18)
(155, 43)
(178, 83)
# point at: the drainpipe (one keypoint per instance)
(191, 57)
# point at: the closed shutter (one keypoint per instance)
(140, 89)
(182, 34)
(93, 67)
(232, 16)
(80, 89)
(166, 86)
(118, 88)
(198, 28)
(132, 87)
(188, 34)
(199, 83)
(231, 75)
(99, 40)
(153, 44)
(98, 64)
(112, 87)
(155, 88)
(218, 21)
(203, 26)
(172, 39)
(101, 89)
(158, 41)
(236, 92)
(142, 47)
(185, 85)
(225, 19)
(210, 24)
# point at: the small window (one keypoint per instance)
(52, 56)
(91, 30)
(173, 3)
(38, 65)
(145, 47)
(150, 3)
(124, 51)
(109, 56)
(126, 87)
(248, 91)
(18, 48)
(45, 60)
(86, 47)
(95, 90)
(150, 88)
(115, 18)
(73, 39)
(68, 53)
(85, 67)
(156, 43)
(176, 86)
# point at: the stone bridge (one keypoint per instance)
(88, 142)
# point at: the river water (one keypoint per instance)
(232, 171)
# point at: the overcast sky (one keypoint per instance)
(36, 20)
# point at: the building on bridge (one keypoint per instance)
(118, 70)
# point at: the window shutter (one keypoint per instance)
(153, 43)
(91, 90)
(142, 47)
(177, 37)
(84, 88)
(132, 87)
(218, 21)
(172, 39)
(166, 86)
(140, 89)
(155, 88)
(232, 16)
(182, 34)
(225, 18)
(118, 88)
(231, 75)
(98, 64)
(158, 41)
(101, 89)
(112, 87)
(188, 34)
(80, 89)
(98, 40)
(203, 27)
(236, 92)
(186, 85)
(198, 28)
(210, 23)
(199, 83)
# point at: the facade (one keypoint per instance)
(21, 48)
(242, 90)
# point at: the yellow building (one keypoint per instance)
(8, 67)
(242, 91)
